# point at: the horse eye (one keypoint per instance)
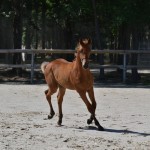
(81, 51)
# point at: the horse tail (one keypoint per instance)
(43, 66)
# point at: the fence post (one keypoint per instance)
(124, 66)
(32, 66)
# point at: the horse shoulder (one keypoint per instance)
(82, 79)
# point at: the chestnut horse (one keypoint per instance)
(61, 74)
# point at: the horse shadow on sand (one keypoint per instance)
(118, 131)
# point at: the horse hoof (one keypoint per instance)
(46, 91)
(59, 123)
(89, 121)
(50, 117)
(100, 128)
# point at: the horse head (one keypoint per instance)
(83, 50)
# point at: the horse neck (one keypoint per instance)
(78, 64)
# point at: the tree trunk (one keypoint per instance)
(97, 35)
(43, 27)
(68, 38)
(36, 23)
(6, 38)
(123, 43)
(43, 23)
(135, 46)
(28, 25)
(17, 26)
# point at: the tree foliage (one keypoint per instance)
(117, 24)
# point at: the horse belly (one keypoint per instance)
(65, 82)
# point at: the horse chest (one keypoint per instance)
(82, 80)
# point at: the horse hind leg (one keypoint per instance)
(60, 100)
(48, 94)
(53, 86)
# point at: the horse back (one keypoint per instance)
(61, 70)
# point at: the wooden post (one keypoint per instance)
(124, 67)
(32, 67)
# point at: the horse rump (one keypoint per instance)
(43, 66)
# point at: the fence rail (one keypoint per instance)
(32, 52)
(70, 51)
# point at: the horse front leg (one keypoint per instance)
(91, 110)
(92, 98)
(60, 100)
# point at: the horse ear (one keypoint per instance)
(81, 42)
(89, 41)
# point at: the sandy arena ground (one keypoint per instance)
(123, 112)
